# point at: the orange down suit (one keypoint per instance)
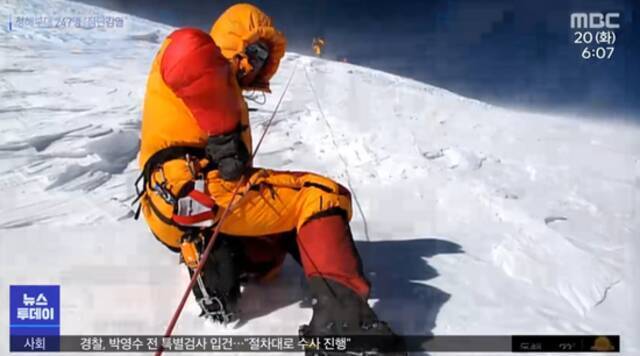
(192, 93)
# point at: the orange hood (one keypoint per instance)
(241, 25)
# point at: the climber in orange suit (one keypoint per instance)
(196, 147)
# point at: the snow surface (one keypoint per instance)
(471, 219)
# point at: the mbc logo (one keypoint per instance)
(595, 20)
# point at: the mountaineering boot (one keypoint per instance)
(217, 289)
(339, 311)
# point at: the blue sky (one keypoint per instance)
(513, 53)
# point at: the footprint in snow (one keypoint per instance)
(551, 219)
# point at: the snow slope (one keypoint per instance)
(471, 219)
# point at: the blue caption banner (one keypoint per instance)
(34, 318)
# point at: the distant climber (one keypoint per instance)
(318, 46)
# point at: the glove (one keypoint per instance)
(229, 153)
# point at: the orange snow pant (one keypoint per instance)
(271, 204)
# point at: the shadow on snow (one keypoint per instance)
(398, 271)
